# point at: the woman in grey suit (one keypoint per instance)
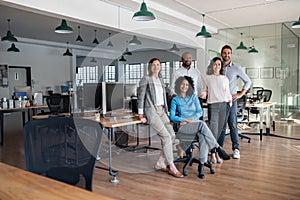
(152, 108)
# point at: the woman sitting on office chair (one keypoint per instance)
(187, 105)
(152, 108)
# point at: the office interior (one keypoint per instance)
(275, 66)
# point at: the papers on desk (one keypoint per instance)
(38, 98)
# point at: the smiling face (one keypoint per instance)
(184, 86)
(186, 60)
(155, 67)
(226, 55)
(217, 67)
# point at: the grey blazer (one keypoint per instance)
(147, 97)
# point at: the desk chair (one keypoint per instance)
(58, 103)
(62, 148)
(241, 117)
(189, 143)
(262, 96)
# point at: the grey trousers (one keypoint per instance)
(216, 117)
(161, 124)
(200, 132)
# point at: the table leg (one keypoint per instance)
(268, 121)
(111, 171)
(273, 116)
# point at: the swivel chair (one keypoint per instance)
(62, 148)
(189, 142)
(262, 96)
(58, 103)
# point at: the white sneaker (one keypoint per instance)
(236, 154)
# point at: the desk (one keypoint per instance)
(20, 184)
(269, 107)
(111, 123)
(31, 111)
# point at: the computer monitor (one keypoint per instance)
(112, 96)
(92, 96)
(26, 89)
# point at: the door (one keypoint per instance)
(18, 76)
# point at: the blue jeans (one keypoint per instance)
(231, 119)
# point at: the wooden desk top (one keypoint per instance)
(20, 184)
(47, 116)
(114, 122)
(21, 109)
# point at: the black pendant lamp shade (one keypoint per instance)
(79, 39)
(63, 28)
(13, 48)
(135, 41)
(127, 52)
(174, 48)
(67, 53)
(95, 41)
(122, 59)
(9, 36)
(252, 49)
(109, 44)
(296, 24)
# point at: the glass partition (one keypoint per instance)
(289, 72)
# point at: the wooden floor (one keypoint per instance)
(268, 169)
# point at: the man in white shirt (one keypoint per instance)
(187, 70)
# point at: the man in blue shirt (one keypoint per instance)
(233, 72)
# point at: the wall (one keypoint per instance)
(48, 66)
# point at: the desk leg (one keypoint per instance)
(111, 172)
(268, 113)
(1, 128)
(273, 116)
(23, 117)
(261, 117)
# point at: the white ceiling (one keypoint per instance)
(233, 15)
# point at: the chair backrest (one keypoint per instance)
(58, 103)
(241, 105)
(62, 148)
(255, 89)
(264, 95)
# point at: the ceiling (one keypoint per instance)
(233, 15)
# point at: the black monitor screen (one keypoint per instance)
(112, 96)
(92, 95)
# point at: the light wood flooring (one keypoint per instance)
(267, 169)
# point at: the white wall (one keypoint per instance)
(48, 66)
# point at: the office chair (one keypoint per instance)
(241, 117)
(58, 103)
(189, 143)
(254, 93)
(262, 96)
(62, 148)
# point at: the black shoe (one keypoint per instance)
(223, 154)
(210, 166)
(201, 171)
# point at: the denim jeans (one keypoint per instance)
(231, 119)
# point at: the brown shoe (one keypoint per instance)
(159, 168)
(176, 174)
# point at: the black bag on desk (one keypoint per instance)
(121, 139)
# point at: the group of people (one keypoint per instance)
(186, 86)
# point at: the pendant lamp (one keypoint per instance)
(93, 60)
(63, 28)
(67, 53)
(252, 48)
(127, 52)
(79, 39)
(203, 33)
(95, 40)
(143, 14)
(241, 46)
(13, 48)
(122, 59)
(296, 24)
(135, 41)
(9, 36)
(174, 48)
(109, 44)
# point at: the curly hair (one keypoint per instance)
(210, 67)
(178, 82)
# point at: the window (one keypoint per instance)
(110, 73)
(86, 74)
(177, 64)
(165, 71)
(133, 72)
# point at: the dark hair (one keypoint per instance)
(226, 47)
(178, 82)
(211, 65)
(150, 65)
